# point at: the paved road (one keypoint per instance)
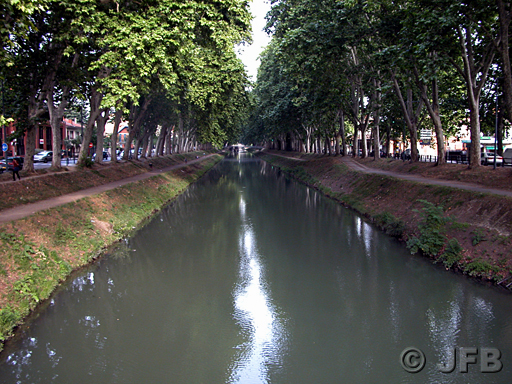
(63, 163)
(22, 211)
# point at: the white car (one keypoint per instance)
(487, 158)
(44, 157)
(507, 156)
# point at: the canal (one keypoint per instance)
(250, 277)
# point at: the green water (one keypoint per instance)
(250, 277)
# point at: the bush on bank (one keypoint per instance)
(37, 253)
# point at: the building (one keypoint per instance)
(70, 130)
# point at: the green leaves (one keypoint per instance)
(130, 51)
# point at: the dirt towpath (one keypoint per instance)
(22, 211)
(420, 179)
(357, 166)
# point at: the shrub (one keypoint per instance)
(452, 253)
(432, 238)
(8, 320)
(477, 237)
(480, 268)
(391, 225)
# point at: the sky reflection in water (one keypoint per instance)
(254, 313)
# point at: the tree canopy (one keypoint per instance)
(383, 65)
(338, 76)
(125, 56)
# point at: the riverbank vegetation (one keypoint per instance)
(465, 231)
(366, 76)
(39, 252)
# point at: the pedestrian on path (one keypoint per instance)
(15, 169)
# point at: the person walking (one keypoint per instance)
(15, 169)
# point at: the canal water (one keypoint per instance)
(250, 277)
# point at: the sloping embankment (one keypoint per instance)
(465, 231)
(37, 253)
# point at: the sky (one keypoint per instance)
(249, 53)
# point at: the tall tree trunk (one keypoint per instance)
(376, 120)
(150, 145)
(138, 142)
(115, 133)
(169, 142)
(95, 101)
(411, 115)
(100, 134)
(355, 146)
(137, 115)
(434, 113)
(327, 145)
(161, 141)
(364, 147)
(499, 133)
(57, 112)
(175, 147)
(342, 132)
(475, 77)
(28, 164)
(388, 139)
(145, 140)
(180, 132)
(34, 112)
(504, 14)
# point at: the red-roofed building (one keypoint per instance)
(122, 136)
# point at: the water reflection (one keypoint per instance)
(254, 313)
(252, 278)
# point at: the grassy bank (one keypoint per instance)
(39, 252)
(468, 232)
(44, 184)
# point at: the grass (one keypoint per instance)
(36, 255)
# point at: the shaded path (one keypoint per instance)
(22, 211)
(356, 166)
(350, 162)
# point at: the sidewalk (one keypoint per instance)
(22, 211)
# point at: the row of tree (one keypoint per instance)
(358, 66)
(163, 65)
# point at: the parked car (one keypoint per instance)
(406, 155)
(487, 158)
(507, 156)
(44, 157)
(130, 156)
(9, 166)
(105, 155)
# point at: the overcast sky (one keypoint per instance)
(249, 53)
